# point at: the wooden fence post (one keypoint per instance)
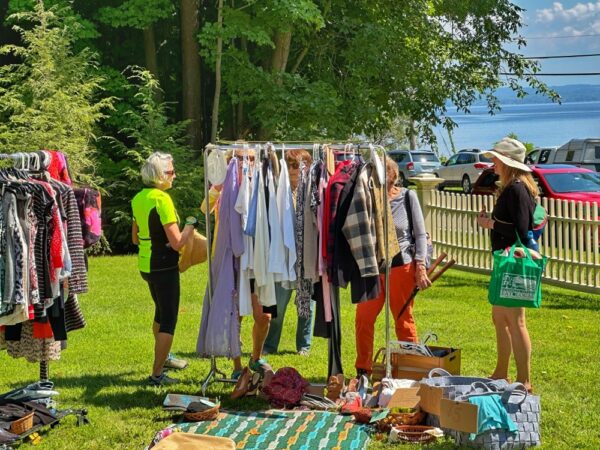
(426, 184)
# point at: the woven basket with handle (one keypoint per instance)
(414, 433)
(207, 414)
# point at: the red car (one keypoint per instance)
(560, 181)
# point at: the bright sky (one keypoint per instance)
(565, 27)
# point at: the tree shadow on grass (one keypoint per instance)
(116, 391)
(577, 301)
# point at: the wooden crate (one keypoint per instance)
(416, 367)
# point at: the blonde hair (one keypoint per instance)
(153, 170)
(511, 174)
(293, 158)
(392, 171)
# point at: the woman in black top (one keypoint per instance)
(512, 215)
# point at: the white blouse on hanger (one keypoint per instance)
(264, 284)
(242, 206)
(285, 207)
(276, 264)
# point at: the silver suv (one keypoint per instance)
(463, 168)
(414, 162)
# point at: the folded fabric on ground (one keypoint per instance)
(189, 441)
(273, 429)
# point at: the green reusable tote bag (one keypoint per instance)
(515, 281)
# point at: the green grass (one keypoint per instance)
(106, 364)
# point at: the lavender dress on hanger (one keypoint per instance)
(219, 325)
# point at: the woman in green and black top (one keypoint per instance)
(156, 231)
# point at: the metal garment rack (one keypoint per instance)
(214, 370)
(26, 161)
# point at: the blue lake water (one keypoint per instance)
(544, 125)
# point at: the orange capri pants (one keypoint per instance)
(402, 283)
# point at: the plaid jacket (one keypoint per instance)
(359, 227)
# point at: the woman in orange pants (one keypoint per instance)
(407, 271)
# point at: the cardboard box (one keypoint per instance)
(416, 367)
(405, 398)
(452, 414)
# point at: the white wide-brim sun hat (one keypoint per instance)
(511, 152)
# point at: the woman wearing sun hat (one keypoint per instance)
(512, 215)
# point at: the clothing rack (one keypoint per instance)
(214, 370)
(24, 161)
(31, 161)
(349, 147)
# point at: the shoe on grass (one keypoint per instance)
(161, 380)
(304, 352)
(173, 362)
(260, 365)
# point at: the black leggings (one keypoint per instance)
(164, 288)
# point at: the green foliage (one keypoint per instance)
(81, 28)
(136, 13)
(48, 99)
(149, 129)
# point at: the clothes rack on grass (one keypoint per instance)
(42, 259)
(342, 152)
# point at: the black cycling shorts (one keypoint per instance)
(164, 288)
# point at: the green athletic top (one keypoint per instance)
(152, 209)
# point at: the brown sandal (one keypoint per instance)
(241, 387)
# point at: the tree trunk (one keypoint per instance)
(279, 59)
(150, 51)
(413, 135)
(215, 110)
(190, 68)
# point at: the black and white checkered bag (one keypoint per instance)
(523, 409)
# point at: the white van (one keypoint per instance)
(543, 155)
(581, 152)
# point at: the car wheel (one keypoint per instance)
(403, 180)
(466, 184)
(439, 187)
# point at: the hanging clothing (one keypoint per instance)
(219, 325)
(304, 286)
(276, 260)
(285, 207)
(264, 283)
(242, 206)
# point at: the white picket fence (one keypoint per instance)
(571, 239)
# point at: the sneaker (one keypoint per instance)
(304, 352)
(173, 362)
(161, 380)
(260, 365)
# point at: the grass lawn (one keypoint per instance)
(106, 364)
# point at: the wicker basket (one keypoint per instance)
(207, 414)
(415, 434)
(410, 418)
(22, 425)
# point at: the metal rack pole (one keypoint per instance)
(213, 361)
(388, 365)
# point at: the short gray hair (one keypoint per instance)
(153, 170)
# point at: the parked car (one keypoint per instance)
(414, 162)
(463, 168)
(559, 181)
(544, 155)
(581, 152)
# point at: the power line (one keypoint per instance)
(562, 56)
(562, 37)
(582, 74)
